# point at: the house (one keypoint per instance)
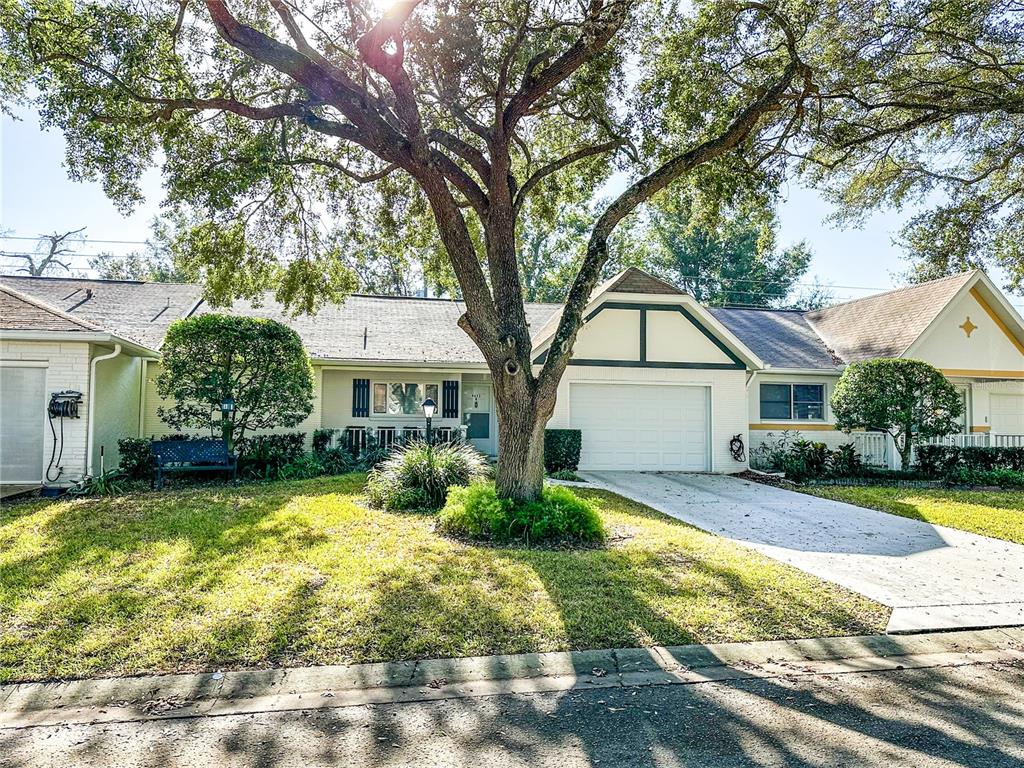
(657, 381)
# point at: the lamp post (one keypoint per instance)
(227, 412)
(429, 406)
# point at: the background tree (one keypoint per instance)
(52, 254)
(908, 399)
(268, 115)
(922, 103)
(260, 363)
(726, 257)
(156, 263)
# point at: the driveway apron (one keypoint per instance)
(932, 577)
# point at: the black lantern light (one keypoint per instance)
(429, 406)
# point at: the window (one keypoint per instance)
(401, 398)
(793, 401)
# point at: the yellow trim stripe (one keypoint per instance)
(983, 374)
(796, 427)
(996, 319)
(980, 428)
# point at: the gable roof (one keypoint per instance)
(396, 329)
(885, 324)
(781, 338)
(139, 312)
(19, 312)
(635, 280)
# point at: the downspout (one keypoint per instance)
(92, 404)
(142, 393)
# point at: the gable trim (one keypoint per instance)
(643, 309)
(976, 294)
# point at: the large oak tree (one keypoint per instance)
(270, 117)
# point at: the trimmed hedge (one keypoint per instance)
(946, 460)
(136, 457)
(562, 449)
(264, 455)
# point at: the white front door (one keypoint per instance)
(478, 417)
(22, 420)
(642, 427)
(1007, 414)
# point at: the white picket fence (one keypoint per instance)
(877, 448)
(979, 440)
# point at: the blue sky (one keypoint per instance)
(36, 196)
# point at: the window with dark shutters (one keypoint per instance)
(360, 397)
(449, 399)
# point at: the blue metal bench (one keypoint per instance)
(191, 456)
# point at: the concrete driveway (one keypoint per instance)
(931, 576)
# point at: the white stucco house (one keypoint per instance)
(657, 381)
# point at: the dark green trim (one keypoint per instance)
(659, 364)
(643, 362)
(643, 334)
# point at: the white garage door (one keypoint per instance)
(1007, 414)
(21, 424)
(635, 427)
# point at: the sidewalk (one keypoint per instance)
(119, 700)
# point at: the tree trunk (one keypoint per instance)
(904, 445)
(521, 422)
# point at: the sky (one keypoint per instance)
(37, 197)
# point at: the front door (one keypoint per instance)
(478, 416)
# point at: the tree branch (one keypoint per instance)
(553, 167)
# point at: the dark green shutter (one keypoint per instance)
(360, 397)
(449, 399)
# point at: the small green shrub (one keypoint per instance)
(562, 449)
(338, 461)
(476, 512)
(306, 466)
(418, 475)
(136, 457)
(567, 475)
(1003, 478)
(946, 461)
(322, 439)
(802, 460)
(110, 483)
(263, 456)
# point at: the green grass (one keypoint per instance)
(999, 514)
(304, 573)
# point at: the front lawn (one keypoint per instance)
(304, 573)
(999, 514)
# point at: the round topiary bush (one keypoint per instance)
(418, 475)
(476, 512)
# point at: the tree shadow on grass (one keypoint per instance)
(96, 575)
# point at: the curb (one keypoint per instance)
(301, 688)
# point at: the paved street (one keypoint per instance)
(945, 716)
(933, 577)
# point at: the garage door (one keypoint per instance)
(1007, 414)
(636, 427)
(21, 424)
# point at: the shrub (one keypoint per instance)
(110, 483)
(476, 512)
(948, 460)
(264, 455)
(566, 474)
(1004, 478)
(306, 466)
(260, 363)
(136, 457)
(338, 461)
(909, 399)
(562, 449)
(322, 439)
(802, 460)
(418, 475)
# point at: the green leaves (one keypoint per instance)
(260, 363)
(909, 399)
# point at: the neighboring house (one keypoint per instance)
(657, 381)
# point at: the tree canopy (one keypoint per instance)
(260, 364)
(922, 105)
(909, 399)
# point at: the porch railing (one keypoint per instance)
(979, 440)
